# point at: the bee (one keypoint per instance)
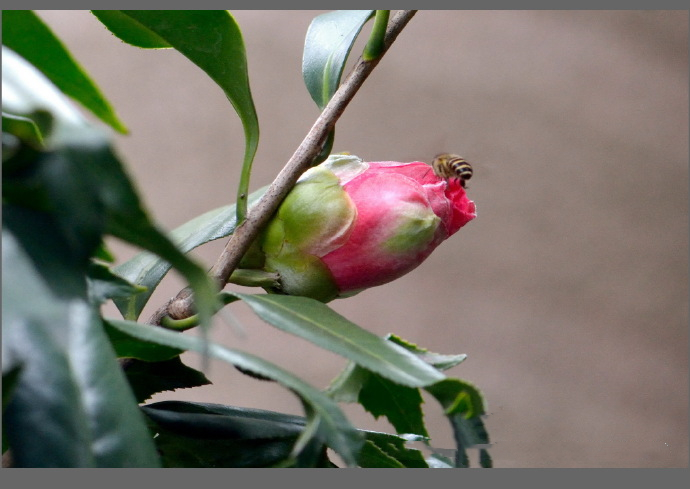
(447, 165)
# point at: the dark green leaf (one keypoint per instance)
(372, 456)
(26, 34)
(334, 429)
(147, 269)
(212, 435)
(149, 378)
(71, 406)
(104, 284)
(103, 254)
(129, 30)
(401, 405)
(185, 452)
(464, 406)
(329, 40)
(9, 381)
(386, 450)
(212, 40)
(126, 346)
(201, 420)
(81, 163)
(458, 397)
(319, 324)
(485, 460)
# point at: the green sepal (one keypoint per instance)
(303, 275)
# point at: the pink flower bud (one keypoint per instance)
(349, 225)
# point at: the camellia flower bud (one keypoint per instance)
(348, 225)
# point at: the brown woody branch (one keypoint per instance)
(182, 306)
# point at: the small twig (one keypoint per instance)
(181, 306)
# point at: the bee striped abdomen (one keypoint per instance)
(452, 166)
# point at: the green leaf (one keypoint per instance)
(23, 128)
(485, 460)
(401, 405)
(329, 40)
(149, 378)
(27, 93)
(25, 33)
(213, 435)
(437, 461)
(373, 456)
(9, 381)
(71, 405)
(104, 284)
(147, 269)
(129, 30)
(81, 163)
(126, 346)
(458, 397)
(383, 450)
(316, 322)
(346, 386)
(334, 429)
(217, 420)
(437, 360)
(464, 406)
(212, 40)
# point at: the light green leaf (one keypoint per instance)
(437, 360)
(147, 269)
(334, 429)
(401, 405)
(328, 42)
(23, 128)
(437, 461)
(25, 33)
(345, 387)
(319, 324)
(27, 93)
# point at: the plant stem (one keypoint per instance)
(254, 278)
(240, 241)
(374, 47)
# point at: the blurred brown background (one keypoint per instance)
(569, 292)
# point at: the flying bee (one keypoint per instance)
(447, 165)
